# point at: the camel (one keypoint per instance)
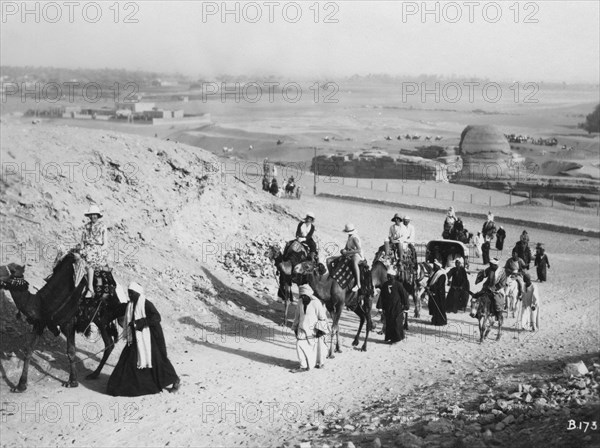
(335, 297)
(412, 286)
(59, 305)
(284, 268)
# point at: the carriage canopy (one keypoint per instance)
(446, 251)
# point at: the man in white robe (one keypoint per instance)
(529, 317)
(310, 317)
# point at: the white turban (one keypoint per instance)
(133, 286)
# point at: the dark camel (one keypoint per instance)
(335, 297)
(59, 305)
(379, 277)
(285, 266)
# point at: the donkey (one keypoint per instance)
(481, 309)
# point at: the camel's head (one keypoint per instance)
(273, 252)
(11, 276)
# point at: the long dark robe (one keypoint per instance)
(524, 252)
(129, 381)
(500, 236)
(437, 300)
(394, 300)
(458, 296)
(485, 252)
(542, 264)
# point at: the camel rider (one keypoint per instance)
(396, 235)
(494, 282)
(354, 252)
(449, 223)
(304, 234)
(514, 268)
(409, 235)
(489, 228)
(94, 246)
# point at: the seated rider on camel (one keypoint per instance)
(396, 235)
(94, 246)
(353, 251)
(305, 232)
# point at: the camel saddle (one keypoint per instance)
(340, 269)
(295, 247)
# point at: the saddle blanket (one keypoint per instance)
(341, 271)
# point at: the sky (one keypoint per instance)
(502, 41)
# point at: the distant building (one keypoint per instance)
(136, 107)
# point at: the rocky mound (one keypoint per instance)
(171, 210)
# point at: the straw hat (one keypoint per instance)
(407, 218)
(93, 210)
(349, 228)
(310, 215)
(397, 216)
(391, 271)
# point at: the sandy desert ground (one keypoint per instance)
(171, 221)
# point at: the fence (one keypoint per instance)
(443, 192)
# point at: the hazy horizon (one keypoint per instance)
(369, 38)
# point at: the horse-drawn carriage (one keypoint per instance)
(445, 252)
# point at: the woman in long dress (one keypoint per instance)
(94, 246)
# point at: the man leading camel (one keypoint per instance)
(353, 251)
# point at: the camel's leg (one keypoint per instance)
(33, 339)
(71, 354)
(336, 322)
(368, 306)
(108, 348)
(500, 322)
(405, 325)
(361, 316)
(330, 354)
(337, 340)
(369, 323)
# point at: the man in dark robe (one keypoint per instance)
(485, 252)
(394, 302)
(523, 251)
(500, 237)
(143, 367)
(274, 188)
(436, 287)
(541, 262)
(458, 296)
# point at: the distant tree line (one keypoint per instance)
(592, 121)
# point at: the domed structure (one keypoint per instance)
(484, 142)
